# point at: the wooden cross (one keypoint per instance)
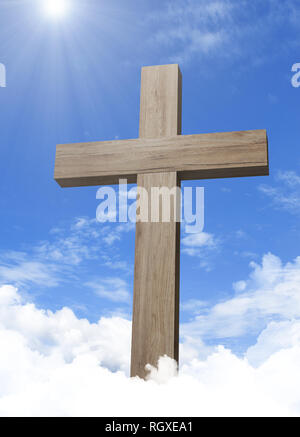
(160, 157)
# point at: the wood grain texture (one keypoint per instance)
(161, 97)
(155, 327)
(201, 156)
(155, 321)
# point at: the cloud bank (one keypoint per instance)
(54, 364)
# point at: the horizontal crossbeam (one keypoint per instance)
(204, 156)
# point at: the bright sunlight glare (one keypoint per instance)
(56, 8)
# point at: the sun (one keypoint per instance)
(56, 8)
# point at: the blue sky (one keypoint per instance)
(78, 79)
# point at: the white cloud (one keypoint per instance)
(116, 233)
(286, 194)
(111, 238)
(53, 364)
(81, 222)
(202, 245)
(114, 289)
(276, 337)
(62, 334)
(191, 29)
(272, 291)
(117, 265)
(239, 286)
(199, 240)
(193, 305)
(240, 234)
(290, 177)
(33, 272)
(56, 260)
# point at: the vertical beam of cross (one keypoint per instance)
(155, 324)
